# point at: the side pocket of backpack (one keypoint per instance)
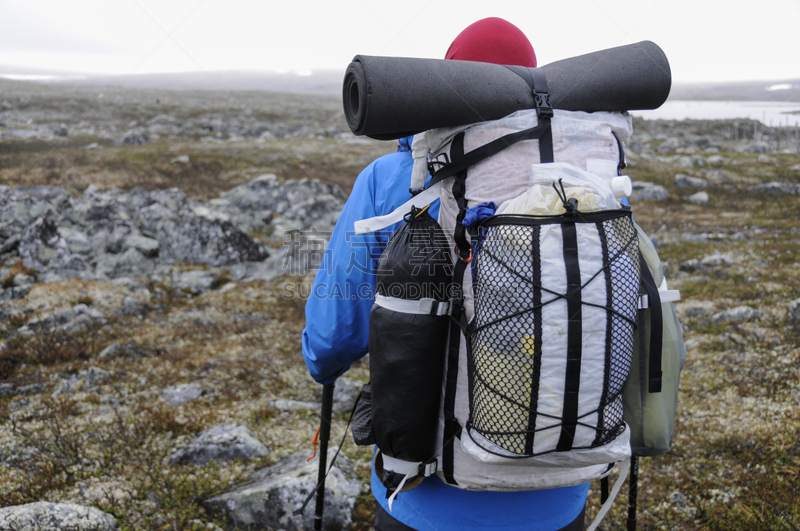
(362, 418)
(651, 416)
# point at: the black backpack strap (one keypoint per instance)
(487, 150)
(537, 81)
(541, 132)
(621, 165)
(654, 376)
(458, 322)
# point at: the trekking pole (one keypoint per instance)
(632, 493)
(324, 436)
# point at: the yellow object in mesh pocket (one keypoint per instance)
(503, 393)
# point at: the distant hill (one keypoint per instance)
(780, 90)
(314, 82)
(318, 81)
(330, 82)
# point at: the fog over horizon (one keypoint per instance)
(705, 42)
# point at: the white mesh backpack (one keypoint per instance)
(549, 283)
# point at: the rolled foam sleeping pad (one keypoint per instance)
(391, 97)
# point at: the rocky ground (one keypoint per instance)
(154, 251)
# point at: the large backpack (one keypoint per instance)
(550, 313)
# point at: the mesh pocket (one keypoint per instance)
(551, 343)
(362, 418)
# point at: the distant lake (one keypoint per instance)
(766, 112)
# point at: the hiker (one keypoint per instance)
(337, 325)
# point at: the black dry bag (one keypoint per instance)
(408, 329)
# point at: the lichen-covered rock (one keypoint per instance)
(41, 246)
(700, 198)
(344, 394)
(254, 204)
(182, 393)
(643, 191)
(143, 244)
(686, 181)
(740, 314)
(131, 263)
(794, 310)
(776, 188)
(132, 138)
(118, 350)
(274, 493)
(79, 318)
(133, 306)
(43, 516)
(220, 443)
(286, 404)
(320, 212)
(199, 240)
(197, 281)
(111, 234)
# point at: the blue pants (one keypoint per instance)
(386, 522)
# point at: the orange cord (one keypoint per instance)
(315, 442)
(422, 211)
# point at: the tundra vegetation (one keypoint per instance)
(79, 428)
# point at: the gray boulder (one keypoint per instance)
(269, 500)
(93, 377)
(199, 240)
(648, 192)
(320, 212)
(132, 306)
(253, 205)
(740, 314)
(268, 270)
(670, 144)
(29, 389)
(43, 516)
(122, 350)
(79, 318)
(699, 309)
(51, 194)
(10, 244)
(285, 404)
(220, 443)
(344, 394)
(711, 261)
(41, 247)
(131, 263)
(132, 138)
(197, 281)
(794, 310)
(77, 240)
(718, 259)
(143, 244)
(776, 188)
(685, 181)
(755, 147)
(700, 198)
(182, 393)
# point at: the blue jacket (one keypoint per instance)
(337, 333)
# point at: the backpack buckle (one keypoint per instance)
(543, 107)
(466, 257)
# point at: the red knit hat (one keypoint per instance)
(493, 40)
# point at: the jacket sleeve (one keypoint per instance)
(339, 304)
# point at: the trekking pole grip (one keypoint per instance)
(324, 436)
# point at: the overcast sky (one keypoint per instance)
(704, 40)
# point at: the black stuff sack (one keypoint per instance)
(407, 337)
